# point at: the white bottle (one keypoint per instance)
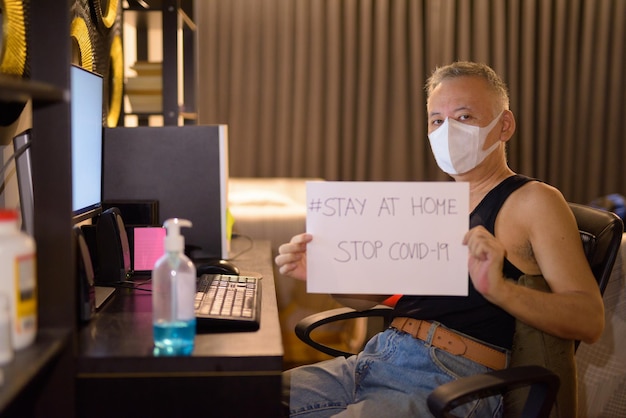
(18, 279)
(173, 295)
(6, 348)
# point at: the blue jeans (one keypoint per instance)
(391, 377)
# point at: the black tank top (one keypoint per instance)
(473, 314)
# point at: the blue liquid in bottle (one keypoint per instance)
(174, 338)
(173, 295)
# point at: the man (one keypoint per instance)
(517, 226)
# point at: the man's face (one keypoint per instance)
(465, 99)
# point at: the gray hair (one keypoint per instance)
(467, 68)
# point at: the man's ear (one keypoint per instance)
(508, 126)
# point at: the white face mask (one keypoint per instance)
(458, 147)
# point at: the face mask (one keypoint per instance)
(458, 147)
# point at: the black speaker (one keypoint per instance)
(85, 276)
(89, 234)
(113, 249)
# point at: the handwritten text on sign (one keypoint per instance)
(387, 237)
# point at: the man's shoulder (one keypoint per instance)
(536, 197)
(539, 192)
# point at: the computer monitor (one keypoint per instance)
(23, 165)
(87, 124)
(183, 168)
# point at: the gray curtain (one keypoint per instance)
(334, 88)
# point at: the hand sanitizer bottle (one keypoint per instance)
(173, 294)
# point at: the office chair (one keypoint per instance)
(601, 234)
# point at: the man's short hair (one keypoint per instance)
(467, 68)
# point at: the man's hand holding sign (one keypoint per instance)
(387, 237)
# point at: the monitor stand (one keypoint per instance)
(103, 293)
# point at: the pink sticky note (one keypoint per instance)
(148, 247)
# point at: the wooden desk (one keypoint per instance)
(227, 375)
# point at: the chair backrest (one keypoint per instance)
(601, 232)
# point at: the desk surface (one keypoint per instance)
(123, 330)
(115, 348)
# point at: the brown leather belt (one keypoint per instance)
(452, 342)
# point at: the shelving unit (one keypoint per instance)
(40, 380)
(178, 82)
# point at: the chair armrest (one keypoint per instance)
(307, 325)
(543, 384)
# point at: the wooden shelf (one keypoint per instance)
(29, 362)
(15, 89)
(40, 377)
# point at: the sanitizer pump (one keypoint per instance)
(173, 293)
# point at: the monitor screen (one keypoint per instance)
(87, 126)
(23, 165)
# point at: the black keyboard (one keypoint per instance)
(228, 303)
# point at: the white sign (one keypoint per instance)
(387, 237)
